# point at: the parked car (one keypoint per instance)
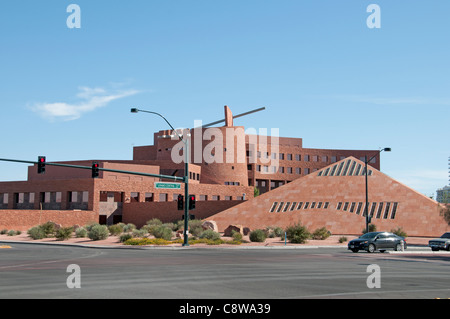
(373, 241)
(440, 243)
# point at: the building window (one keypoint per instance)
(315, 158)
(313, 205)
(287, 206)
(215, 197)
(281, 169)
(134, 197)
(339, 206)
(380, 209)
(372, 210)
(274, 205)
(345, 206)
(333, 159)
(279, 207)
(306, 205)
(299, 206)
(281, 156)
(293, 206)
(325, 206)
(289, 157)
(306, 171)
(163, 197)
(289, 170)
(149, 197)
(358, 210)
(319, 205)
(394, 210)
(352, 207)
(58, 197)
(386, 211)
(73, 197)
(298, 170)
(298, 157)
(306, 158)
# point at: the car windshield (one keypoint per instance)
(368, 235)
(446, 235)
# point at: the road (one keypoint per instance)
(41, 271)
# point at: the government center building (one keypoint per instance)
(317, 187)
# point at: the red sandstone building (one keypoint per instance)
(226, 165)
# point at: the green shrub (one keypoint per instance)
(64, 233)
(90, 225)
(258, 235)
(321, 233)
(115, 230)
(372, 228)
(36, 233)
(139, 232)
(3, 231)
(297, 234)
(342, 239)
(129, 227)
(195, 227)
(399, 232)
(154, 222)
(98, 232)
(124, 237)
(80, 232)
(210, 234)
(162, 232)
(12, 233)
(237, 236)
(49, 229)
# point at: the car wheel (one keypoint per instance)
(398, 247)
(371, 248)
(448, 247)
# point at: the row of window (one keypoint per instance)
(45, 197)
(383, 210)
(162, 197)
(290, 206)
(282, 169)
(346, 168)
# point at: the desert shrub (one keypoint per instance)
(162, 232)
(210, 234)
(297, 234)
(90, 225)
(237, 236)
(372, 228)
(342, 239)
(154, 221)
(49, 229)
(98, 232)
(321, 233)
(64, 233)
(257, 235)
(3, 231)
(36, 232)
(115, 230)
(139, 232)
(80, 232)
(124, 237)
(12, 233)
(399, 232)
(195, 227)
(272, 232)
(129, 228)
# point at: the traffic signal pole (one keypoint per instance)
(174, 178)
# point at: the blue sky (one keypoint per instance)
(321, 73)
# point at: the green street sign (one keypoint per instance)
(163, 185)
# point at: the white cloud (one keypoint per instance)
(91, 99)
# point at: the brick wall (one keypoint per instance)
(25, 219)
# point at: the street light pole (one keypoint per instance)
(186, 175)
(366, 210)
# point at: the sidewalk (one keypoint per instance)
(113, 242)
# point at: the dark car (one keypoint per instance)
(440, 243)
(373, 241)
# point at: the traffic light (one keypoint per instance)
(191, 202)
(41, 164)
(95, 170)
(180, 202)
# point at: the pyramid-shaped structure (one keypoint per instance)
(334, 197)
